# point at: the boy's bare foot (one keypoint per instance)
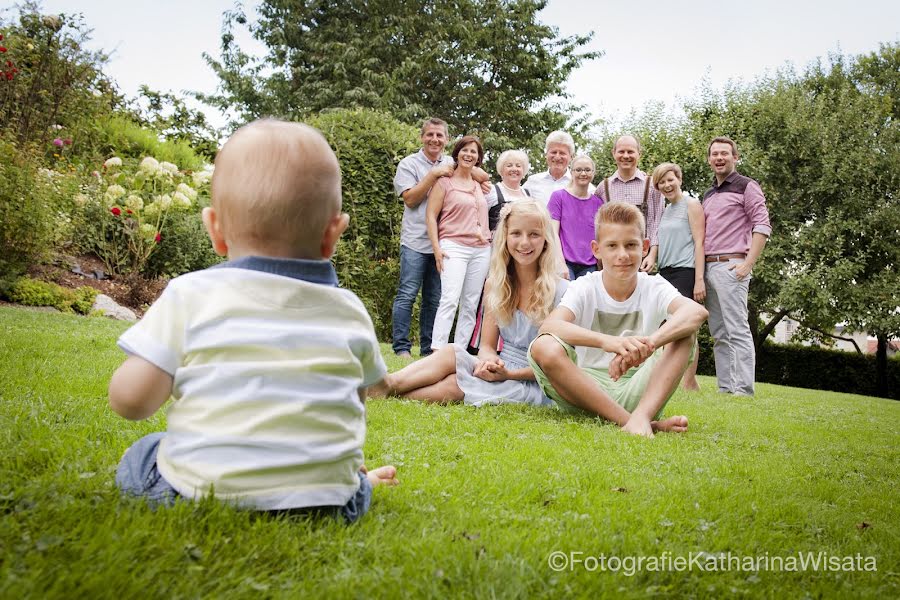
(382, 389)
(386, 475)
(676, 424)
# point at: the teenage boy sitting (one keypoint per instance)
(602, 351)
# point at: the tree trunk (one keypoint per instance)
(768, 328)
(881, 384)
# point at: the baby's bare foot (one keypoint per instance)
(386, 475)
(676, 424)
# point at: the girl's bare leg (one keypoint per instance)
(420, 374)
(445, 391)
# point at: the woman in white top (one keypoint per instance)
(512, 166)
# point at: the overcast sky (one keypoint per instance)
(660, 53)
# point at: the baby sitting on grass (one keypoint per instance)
(265, 358)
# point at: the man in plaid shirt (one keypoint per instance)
(630, 184)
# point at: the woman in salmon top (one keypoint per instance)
(457, 224)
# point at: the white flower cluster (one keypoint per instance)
(203, 177)
(113, 193)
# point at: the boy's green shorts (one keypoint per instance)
(626, 392)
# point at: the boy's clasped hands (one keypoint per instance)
(631, 351)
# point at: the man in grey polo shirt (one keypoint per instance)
(415, 175)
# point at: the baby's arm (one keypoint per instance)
(138, 388)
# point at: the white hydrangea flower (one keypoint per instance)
(151, 211)
(202, 178)
(149, 165)
(115, 161)
(81, 199)
(187, 190)
(169, 167)
(148, 231)
(164, 201)
(115, 191)
(134, 202)
(181, 200)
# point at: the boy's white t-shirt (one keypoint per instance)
(265, 409)
(640, 315)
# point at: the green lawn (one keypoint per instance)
(486, 496)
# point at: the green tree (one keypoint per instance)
(50, 85)
(170, 115)
(824, 146)
(486, 66)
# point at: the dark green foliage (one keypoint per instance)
(488, 67)
(27, 213)
(369, 145)
(813, 368)
(32, 292)
(185, 247)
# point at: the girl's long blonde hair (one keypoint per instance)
(503, 296)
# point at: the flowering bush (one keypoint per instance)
(125, 209)
(48, 78)
(35, 209)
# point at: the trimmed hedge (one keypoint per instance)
(368, 145)
(33, 292)
(813, 368)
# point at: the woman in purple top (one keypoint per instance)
(573, 210)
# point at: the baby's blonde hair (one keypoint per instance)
(503, 297)
(275, 188)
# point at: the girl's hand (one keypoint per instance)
(699, 291)
(493, 370)
(439, 257)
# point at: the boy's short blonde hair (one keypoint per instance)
(276, 187)
(618, 213)
(660, 171)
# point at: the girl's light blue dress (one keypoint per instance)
(517, 335)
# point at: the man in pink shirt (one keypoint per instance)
(737, 228)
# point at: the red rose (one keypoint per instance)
(116, 210)
(158, 237)
(2, 48)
